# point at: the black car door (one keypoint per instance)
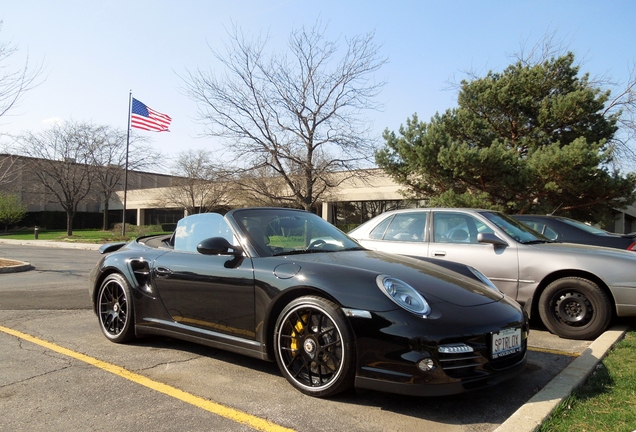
(211, 292)
(207, 291)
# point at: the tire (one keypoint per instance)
(115, 309)
(575, 308)
(314, 347)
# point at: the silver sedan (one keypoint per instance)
(576, 289)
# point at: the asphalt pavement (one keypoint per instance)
(530, 415)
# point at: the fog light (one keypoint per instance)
(459, 348)
(426, 365)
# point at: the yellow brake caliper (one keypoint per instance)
(300, 328)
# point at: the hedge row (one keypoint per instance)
(56, 220)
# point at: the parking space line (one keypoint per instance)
(215, 408)
(551, 351)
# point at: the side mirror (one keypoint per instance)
(490, 238)
(218, 246)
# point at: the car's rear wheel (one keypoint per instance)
(115, 309)
(314, 347)
(575, 308)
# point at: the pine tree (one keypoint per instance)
(532, 139)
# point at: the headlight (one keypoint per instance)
(482, 277)
(403, 295)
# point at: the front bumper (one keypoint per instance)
(392, 346)
(409, 388)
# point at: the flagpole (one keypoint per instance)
(123, 224)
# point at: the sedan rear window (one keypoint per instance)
(405, 227)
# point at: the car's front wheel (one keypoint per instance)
(314, 347)
(115, 309)
(575, 308)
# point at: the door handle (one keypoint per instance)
(439, 253)
(163, 272)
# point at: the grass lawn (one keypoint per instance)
(79, 236)
(607, 401)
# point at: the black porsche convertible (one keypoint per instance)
(285, 285)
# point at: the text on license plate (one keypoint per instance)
(506, 342)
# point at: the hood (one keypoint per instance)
(433, 281)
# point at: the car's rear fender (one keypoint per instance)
(132, 266)
(103, 271)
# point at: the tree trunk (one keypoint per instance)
(105, 219)
(69, 223)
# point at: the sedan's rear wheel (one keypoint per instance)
(575, 308)
(313, 345)
(115, 309)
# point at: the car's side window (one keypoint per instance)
(193, 229)
(537, 226)
(542, 229)
(532, 224)
(378, 231)
(550, 233)
(407, 227)
(449, 227)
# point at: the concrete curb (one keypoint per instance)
(19, 267)
(534, 412)
(48, 243)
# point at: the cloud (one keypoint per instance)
(52, 121)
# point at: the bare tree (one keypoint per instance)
(8, 173)
(201, 185)
(14, 83)
(60, 159)
(263, 187)
(109, 158)
(297, 114)
(623, 106)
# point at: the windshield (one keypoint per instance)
(515, 229)
(584, 227)
(284, 232)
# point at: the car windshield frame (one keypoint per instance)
(519, 231)
(278, 232)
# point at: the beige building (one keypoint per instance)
(352, 202)
(357, 197)
(355, 200)
(17, 176)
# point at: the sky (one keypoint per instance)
(94, 54)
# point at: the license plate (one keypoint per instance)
(506, 342)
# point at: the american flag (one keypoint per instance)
(148, 119)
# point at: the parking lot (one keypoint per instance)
(57, 372)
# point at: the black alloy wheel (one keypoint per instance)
(313, 345)
(575, 308)
(115, 310)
